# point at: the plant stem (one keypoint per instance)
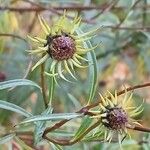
(143, 129)
(13, 36)
(51, 90)
(85, 111)
(56, 126)
(70, 141)
(86, 108)
(69, 8)
(43, 86)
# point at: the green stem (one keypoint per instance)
(92, 77)
(43, 86)
(51, 90)
(144, 13)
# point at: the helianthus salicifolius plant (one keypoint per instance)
(117, 115)
(62, 45)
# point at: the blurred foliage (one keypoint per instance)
(123, 59)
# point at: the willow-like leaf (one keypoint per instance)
(74, 101)
(6, 138)
(51, 89)
(23, 144)
(14, 108)
(40, 127)
(84, 125)
(17, 82)
(92, 70)
(51, 117)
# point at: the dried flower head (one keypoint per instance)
(117, 115)
(63, 45)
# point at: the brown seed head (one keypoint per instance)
(61, 47)
(116, 118)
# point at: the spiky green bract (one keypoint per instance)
(63, 45)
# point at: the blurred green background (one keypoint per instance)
(123, 57)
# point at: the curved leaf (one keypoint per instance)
(6, 138)
(23, 144)
(52, 117)
(74, 101)
(40, 127)
(14, 108)
(92, 69)
(17, 82)
(92, 74)
(84, 125)
(51, 89)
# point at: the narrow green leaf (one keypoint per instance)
(51, 90)
(52, 117)
(74, 101)
(40, 127)
(6, 138)
(92, 69)
(14, 108)
(63, 133)
(98, 135)
(22, 144)
(17, 82)
(84, 125)
(92, 75)
(56, 147)
(146, 146)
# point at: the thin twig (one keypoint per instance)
(85, 111)
(112, 51)
(109, 7)
(143, 129)
(121, 92)
(56, 126)
(134, 5)
(19, 133)
(86, 108)
(13, 36)
(70, 141)
(68, 8)
(129, 28)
